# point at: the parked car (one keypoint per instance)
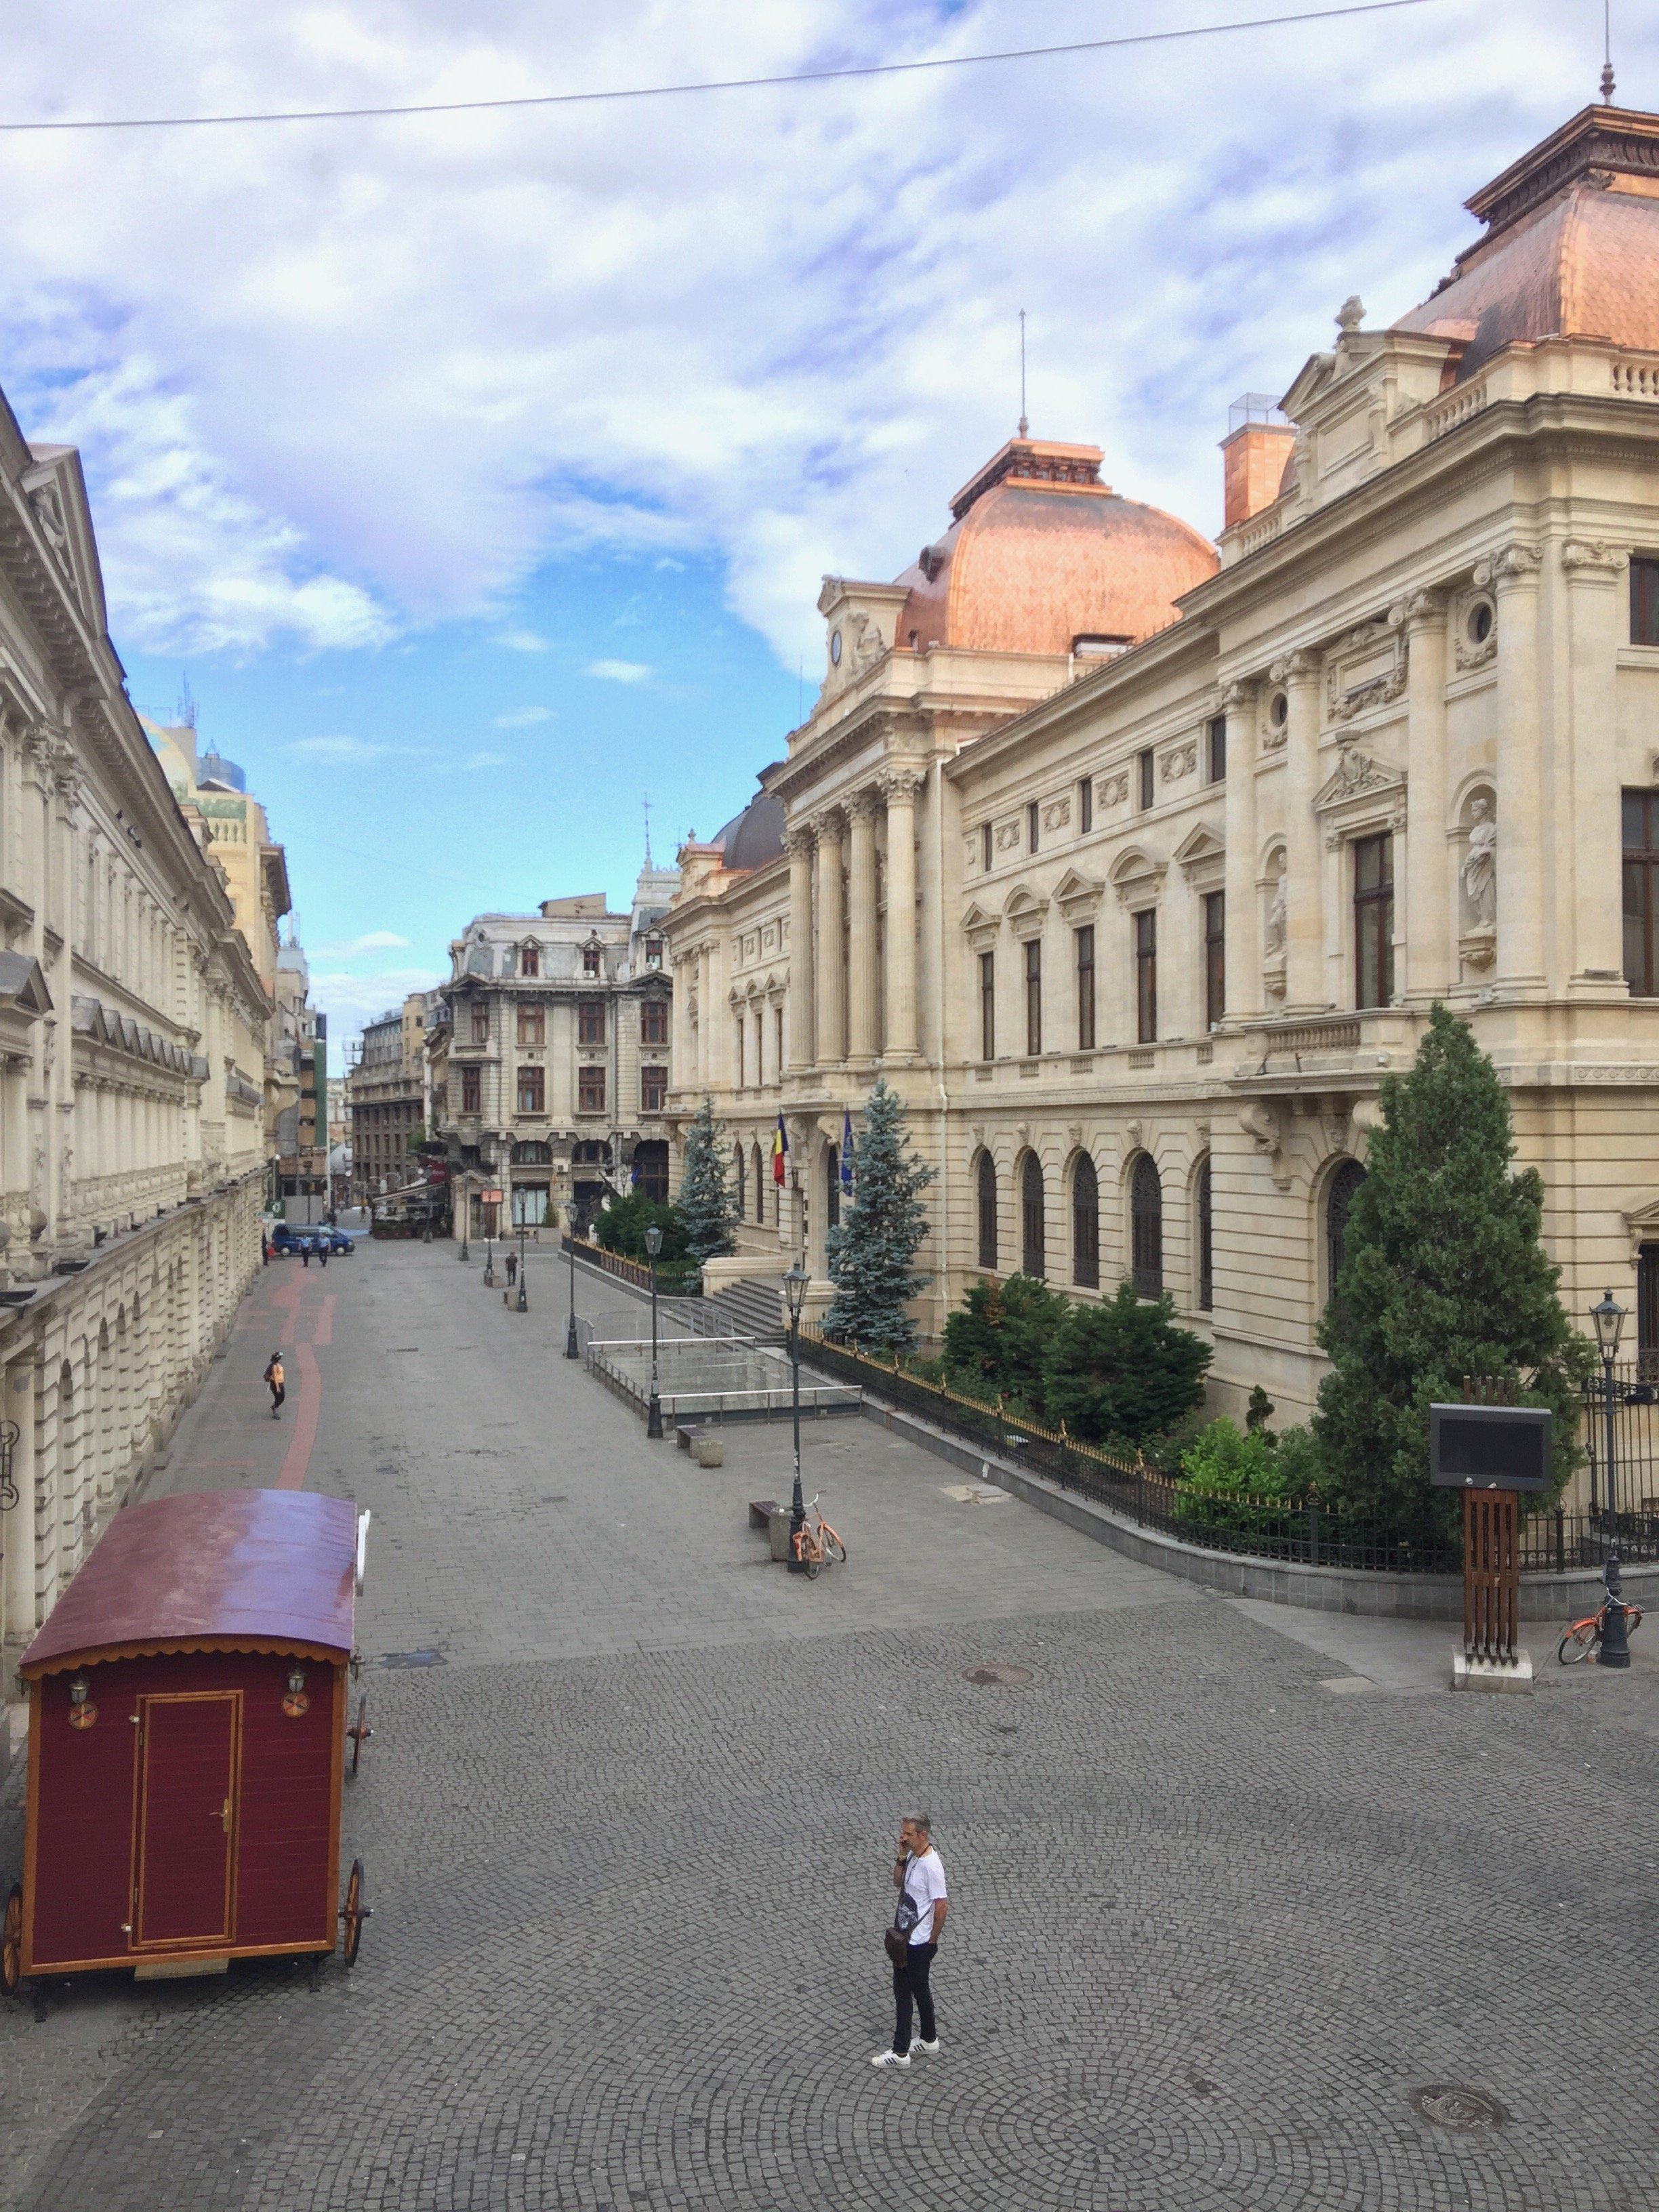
(295, 1238)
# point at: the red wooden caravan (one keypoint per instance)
(187, 1742)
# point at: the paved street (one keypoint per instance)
(1224, 1896)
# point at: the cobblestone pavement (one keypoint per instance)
(1213, 1923)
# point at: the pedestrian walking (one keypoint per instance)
(278, 1390)
(305, 1251)
(913, 1940)
(512, 1269)
(322, 1251)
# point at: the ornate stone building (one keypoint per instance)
(1135, 864)
(551, 1064)
(132, 1055)
(386, 1093)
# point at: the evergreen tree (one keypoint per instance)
(706, 1205)
(997, 1342)
(1123, 1370)
(872, 1254)
(1443, 1280)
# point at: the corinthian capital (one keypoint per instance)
(1510, 564)
(861, 807)
(1299, 667)
(901, 782)
(800, 837)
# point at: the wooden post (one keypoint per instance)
(1491, 1575)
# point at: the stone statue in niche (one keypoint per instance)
(1480, 866)
(1274, 934)
(1273, 940)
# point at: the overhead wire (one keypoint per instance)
(848, 70)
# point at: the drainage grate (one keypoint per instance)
(1002, 1674)
(410, 1659)
(1459, 2111)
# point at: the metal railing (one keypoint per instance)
(674, 1280)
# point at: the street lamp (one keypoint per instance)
(466, 1216)
(795, 1297)
(524, 1299)
(653, 1411)
(571, 1349)
(1608, 1318)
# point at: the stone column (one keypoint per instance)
(863, 980)
(1523, 799)
(1429, 966)
(800, 1019)
(829, 968)
(901, 787)
(1304, 985)
(1240, 702)
(1590, 916)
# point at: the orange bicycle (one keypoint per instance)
(816, 1543)
(1583, 1639)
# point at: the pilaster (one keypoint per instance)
(863, 971)
(1428, 970)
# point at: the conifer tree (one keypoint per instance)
(1443, 1280)
(873, 1252)
(706, 1205)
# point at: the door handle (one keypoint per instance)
(224, 1817)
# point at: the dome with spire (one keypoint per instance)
(1041, 557)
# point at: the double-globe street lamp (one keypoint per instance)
(653, 1411)
(571, 1349)
(794, 1298)
(1608, 1317)
(523, 1296)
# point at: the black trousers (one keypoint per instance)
(910, 1985)
(278, 1394)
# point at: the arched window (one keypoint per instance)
(1031, 1258)
(1338, 1198)
(760, 1185)
(532, 1153)
(985, 1191)
(1086, 1223)
(1146, 1228)
(832, 1187)
(1205, 1240)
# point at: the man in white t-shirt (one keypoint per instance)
(919, 1878)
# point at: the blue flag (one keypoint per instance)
(846, 1148)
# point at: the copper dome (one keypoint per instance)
(1040, 553)
(1571, 247)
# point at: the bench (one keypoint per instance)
(760, 1510)
(684, 1433)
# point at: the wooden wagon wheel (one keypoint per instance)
(360, 1732)
(11, 1942)
(354, 1912)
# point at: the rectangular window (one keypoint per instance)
(481, 1025)
(529, 1205)
(532, 1090)
(988, 1006)
(1215, 957)
(533, 1025)
(530, 960)
(1034, 997)
(1645, 601)
(1031, 827)
(1641, 842)
(590, 1091)
(653, 1022)
(1144, 780)
(1373, 920)
(760, 1046)
(653, 952)
(654, 1089)
(985, 846)
(1218, 749)
(471, 1085)
(742, 1038)
(1086, 806)
(590, 1021)
(1146, 977)
(1085, 939)
(777, 1041)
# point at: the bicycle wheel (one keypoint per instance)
(1632, 1619)
(813, 1559)
(1579, 1640)
(833, 1546)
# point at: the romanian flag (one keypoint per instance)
(780, 1150)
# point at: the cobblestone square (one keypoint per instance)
(1214, 1925)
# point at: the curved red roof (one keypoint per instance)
(270, 1566)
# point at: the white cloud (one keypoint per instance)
(483, 760)
(341, 748)
(350, 1000)
(619, 672)
(373, 940)
(335, 379)
(524, 718)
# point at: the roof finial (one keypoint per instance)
(1024, 427)
(1606, 53)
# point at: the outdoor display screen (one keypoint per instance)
(1490, 1447)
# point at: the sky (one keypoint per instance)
(478, 473)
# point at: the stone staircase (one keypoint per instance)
(751, 1308)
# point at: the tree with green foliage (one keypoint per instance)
(1444, 1282)
(996, 1343)
(622, 1226)
(1122, 1370)
(873, 1253)
(706, 1207)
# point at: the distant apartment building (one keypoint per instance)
(387, 1097)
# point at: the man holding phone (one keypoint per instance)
(912, 1940)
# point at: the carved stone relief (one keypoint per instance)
(1057, 813)
(1180, 761)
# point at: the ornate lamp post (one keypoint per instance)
(795, 1297)
(523, 1299)
(653, 1411)
(1608, 1317)
(466, 1216)
(571, 1349)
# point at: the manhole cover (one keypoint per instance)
(1463, 2112)
(413, 1659)
(1008, 1677)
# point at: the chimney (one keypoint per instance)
(1255, 452)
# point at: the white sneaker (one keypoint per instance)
(930, 2049)
(890, 2057)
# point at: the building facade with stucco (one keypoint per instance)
(1136, 864)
